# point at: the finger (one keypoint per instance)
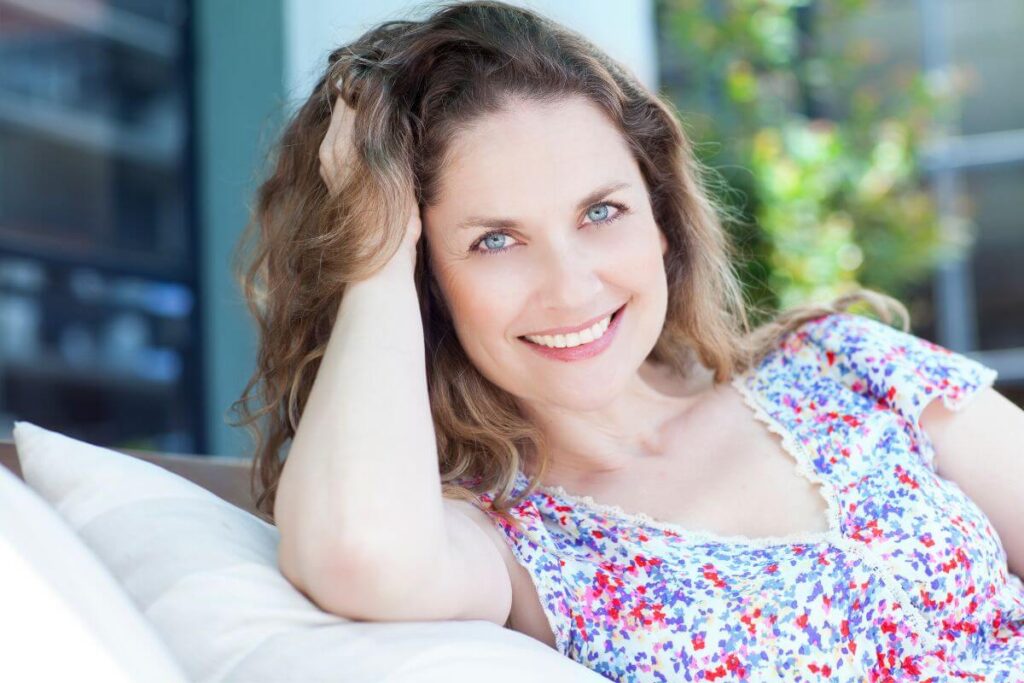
(335, 152)
(328, 167)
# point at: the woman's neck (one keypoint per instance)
(582, 448)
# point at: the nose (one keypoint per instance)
(570, 281)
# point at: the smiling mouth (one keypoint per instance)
(612, 318)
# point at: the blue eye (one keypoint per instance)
(493, 248)
(599, 206)
(489, 240)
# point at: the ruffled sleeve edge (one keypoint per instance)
(955, 401)
(975, 376)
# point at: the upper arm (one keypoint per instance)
(978, 447)
(475, 574)
(466, 578)
(967, 432)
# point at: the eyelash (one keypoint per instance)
(622, 210)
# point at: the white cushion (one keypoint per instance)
(65, 618)
(205, 573)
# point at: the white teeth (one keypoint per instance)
(562, 341)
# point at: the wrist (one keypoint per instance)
(400, 266)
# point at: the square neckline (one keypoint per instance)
(795, 449)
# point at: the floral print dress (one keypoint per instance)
(909, 583)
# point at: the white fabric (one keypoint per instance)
(64, 617)
(205, 574)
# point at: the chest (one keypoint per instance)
(728, 472)
(847, 490)
(909, 554)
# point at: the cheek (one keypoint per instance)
(638, 251)
(640, 268)
(483, 306)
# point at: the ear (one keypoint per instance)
(664, 241)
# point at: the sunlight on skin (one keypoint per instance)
(563, 264)
(979, 448)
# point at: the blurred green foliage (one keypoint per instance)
(815, 141)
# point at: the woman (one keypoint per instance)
(501, 327)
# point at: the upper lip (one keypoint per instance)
(569, 330)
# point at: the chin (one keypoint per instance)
(588, 395)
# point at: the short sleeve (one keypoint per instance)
(901, 371)
(540, 553)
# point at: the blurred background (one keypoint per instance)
(878, 142)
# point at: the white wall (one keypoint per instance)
(622, 28)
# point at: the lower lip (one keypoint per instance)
(582, 351)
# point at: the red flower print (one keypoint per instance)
(712, 575)
(905, 477)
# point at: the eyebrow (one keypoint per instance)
(485, 222)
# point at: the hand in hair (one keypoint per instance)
(336, 156)
(336, 149)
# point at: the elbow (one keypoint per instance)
(311, 557)
(346, 580)
(307, 562)
(322, 577)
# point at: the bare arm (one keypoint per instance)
(979, 449)
(365, 532)
(364, 452)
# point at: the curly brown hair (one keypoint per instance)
(414, 85)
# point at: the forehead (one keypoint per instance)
(554, 150)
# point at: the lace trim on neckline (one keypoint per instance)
(790, 444)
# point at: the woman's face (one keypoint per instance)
(544, 222)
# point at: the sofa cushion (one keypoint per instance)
(65, 617)
(204, 572)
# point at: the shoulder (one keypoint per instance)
(526, 526)
(901, 371)
(844, 336)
